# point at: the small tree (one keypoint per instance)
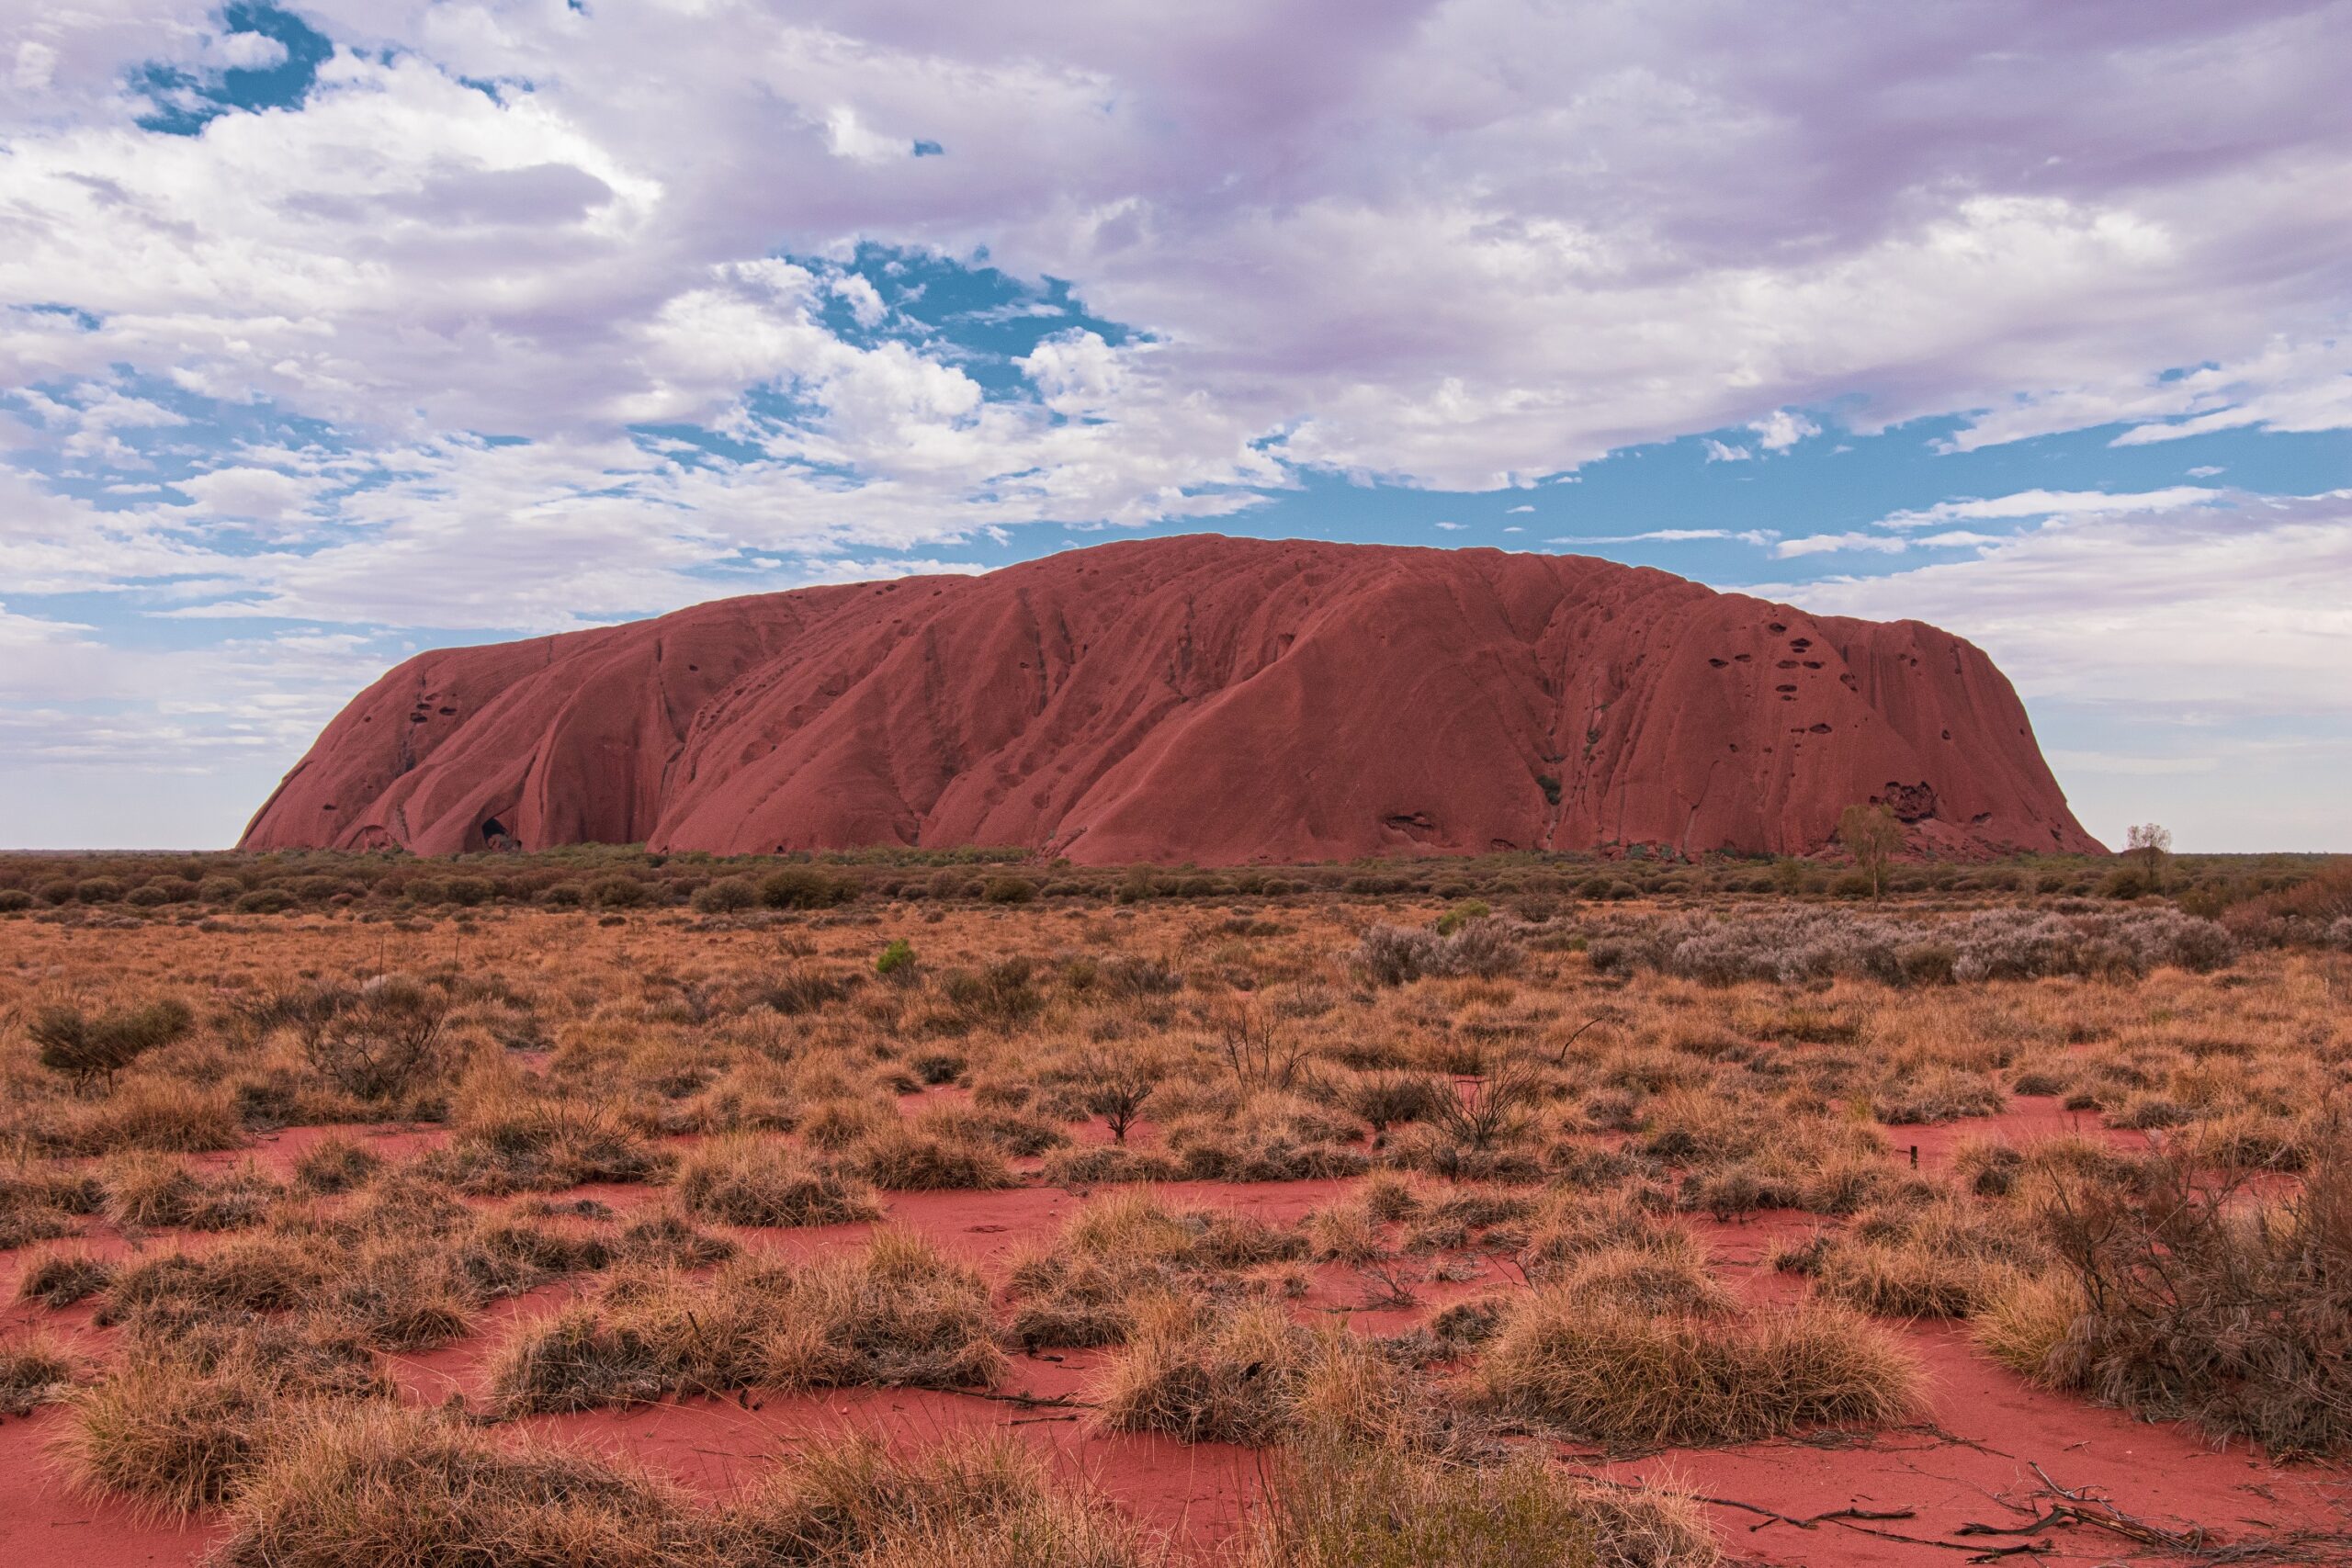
(1115, 1088)
(1871, 835)
(89, 1049)
(2150, 844)
(378, 1041)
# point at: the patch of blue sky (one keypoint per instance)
(196, 435)
(1834, 482)
(695, 445)
(89, 322)
(187, 101)
(967, 311)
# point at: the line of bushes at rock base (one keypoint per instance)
(2263, 898)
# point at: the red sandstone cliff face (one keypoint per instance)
(1193, 699)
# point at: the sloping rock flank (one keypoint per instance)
(1195, 698)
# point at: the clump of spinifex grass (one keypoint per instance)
(148, 1191)
(896, 1313)
(59, 1278)
(169, 1115)
(169, 1433)
(333, 1164)
(406, 1486)
(645, 1335)
(1205, 1375)
(899, 1311)
(1342, 1504)
(38, 1202)
(34, 1370)
(1929, 1255)
(244, 1274)
(1625, 1376)
(965, 1503)
(902, 1158)
(744, 1180)
(2025, 1321)
(515, 1142)
(1078, 1290)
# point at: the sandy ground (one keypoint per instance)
(1988, 1451)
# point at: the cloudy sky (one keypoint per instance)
(335, 331)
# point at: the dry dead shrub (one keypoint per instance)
(378, 1041)
(2203, 1302)
(1623, 1376)
(744, 1180)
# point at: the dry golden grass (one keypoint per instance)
(895, 1313)
(1621, 1375)
(745, 1180)
(2024, 1322)
(169, 1434)
(1339, 1504)
(1538, 1113)
(964, 1503)
(386, 1485)
(1206, 1375)
(34, 1370)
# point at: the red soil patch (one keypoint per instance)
(2029, 1119)
(1983, 1432)
(1979, 1438)
(44, 1524)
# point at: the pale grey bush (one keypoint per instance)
(1392, 955)
(1791, 946)
(2015, 945)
